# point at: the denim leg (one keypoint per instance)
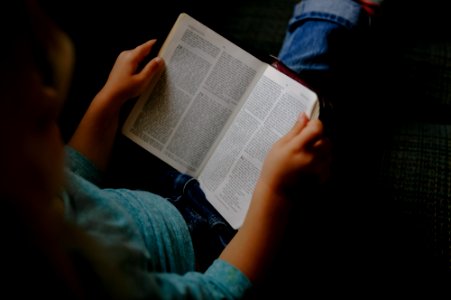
(319, 36)
(209, 231)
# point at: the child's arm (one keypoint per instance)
(302, 153)
(95, 134)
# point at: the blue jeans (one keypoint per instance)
(311, 42)
(209, 231)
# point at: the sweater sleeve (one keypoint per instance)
(145, 238)
(220, 281)
(82, 166)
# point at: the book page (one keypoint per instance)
(205, 81)
(271, 110)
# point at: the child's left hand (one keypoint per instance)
(125, 81)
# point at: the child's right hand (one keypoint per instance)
(302, 153)
(299, 156)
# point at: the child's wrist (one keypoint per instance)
(273, 201)
(108, 102)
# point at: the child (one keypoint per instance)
(66, 237)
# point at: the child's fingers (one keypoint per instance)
(141, 51)
(323, 145)
(151, 68)
(309, 134)
(301, 122)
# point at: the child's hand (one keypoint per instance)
(125, 81)
(95, 134)
(300, 154)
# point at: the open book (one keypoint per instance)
(215, 112)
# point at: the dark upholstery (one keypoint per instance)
(415, 161)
